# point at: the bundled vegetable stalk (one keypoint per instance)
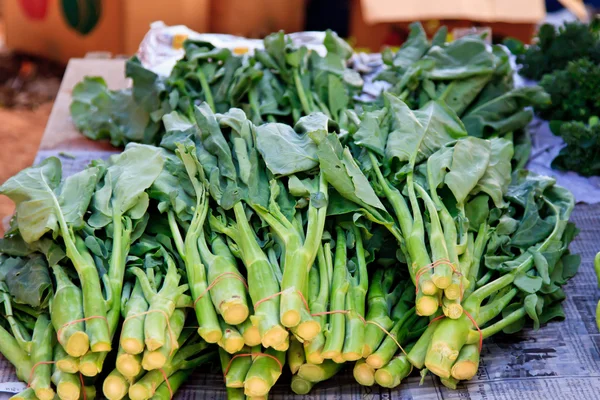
(394, 236)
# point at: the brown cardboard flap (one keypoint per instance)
(516, 11)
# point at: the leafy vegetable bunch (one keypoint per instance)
(293, 228)
(278, 83)
(387, 245)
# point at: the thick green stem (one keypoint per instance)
(321, 372)
(392, 374)
(261, 282)
(336, 332)
(42, 352)
(295, 355)
(467, 363)
(301, 386)
(15, 355)
(263, 373)
(228, 293)
(231, 341)
(175, 382)
(363, 373)
(65, 362)
(132, 331)
(417, 354)
(94, 305)
(68, 386)
(156, 359)
(206, 89)
(301, 94)
(442, 273)
(66, 307)
(115, 386)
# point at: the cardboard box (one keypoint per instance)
(377, 23)
(61, 30)
(256, 18)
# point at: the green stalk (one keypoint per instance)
(263, 373)
(446, 342)
(91, 363)
(132, 331)
(21, 335)
(340, 285)
(318, 304)
(42, 351)
(319, 373)
(495, 307)
(27, 394)
(301, 386)
(238, 369)
(65, 362)
(249, 332)
(379, 308)
(460, 282)
(363, 373)
(128, 365)
(418, 353)
(392, 374)
(146, 386)
(497, 327)
(9, 347)
(175, 382)
(231, 341)
(209, 328)
(427, 303)
(467, 363)
(301, 95)
(355, 328)
(156, 359)
(68, 386)
(229, 294)
(442, 273)
(388, 348)
(66, 307)
(299, 256)
(295, 355)
(478, 249)
(94, 305)
(206, 89)
(262, 283)
(115, 386)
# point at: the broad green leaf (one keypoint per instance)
(470, 161)
(334, 44)
(342, 172)
(40, 197)
(127, 177)
(415, 46)
(27, 279)
(416, 135)
(284, 151)
(503, 114)
(528, 283)
(460, 59)
(497, 176)
(100, 113)
(213, 141)
(15, 246)
(372, 132)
